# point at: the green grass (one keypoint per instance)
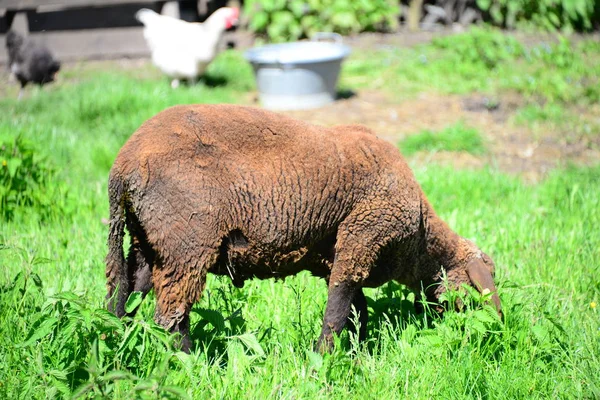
(456, 137)
(487, 61)
(56, 340)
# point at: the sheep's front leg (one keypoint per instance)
(339, 304)
(357, 244)
(364, 232)
(360, 305)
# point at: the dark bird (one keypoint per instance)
(30, 61)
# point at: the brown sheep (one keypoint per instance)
(247, 193)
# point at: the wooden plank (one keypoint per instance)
(119, 16)
(33, 4)
(90, 44)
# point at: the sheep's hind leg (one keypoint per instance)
(173, 303)
(178, 285)
(140, 261)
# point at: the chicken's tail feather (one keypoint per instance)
(146, 15)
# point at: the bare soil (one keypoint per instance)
(511, 148)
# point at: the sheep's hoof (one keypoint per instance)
(175, 83)
(324, 344)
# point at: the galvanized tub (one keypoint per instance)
(298, 75)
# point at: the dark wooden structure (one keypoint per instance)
(91, 29)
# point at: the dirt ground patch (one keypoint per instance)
(511, 148)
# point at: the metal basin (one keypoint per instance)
(298, 75)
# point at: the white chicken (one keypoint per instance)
(183, 50)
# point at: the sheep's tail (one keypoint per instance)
(117, 279)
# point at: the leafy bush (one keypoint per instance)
(24, 179)
(547, 14)
(557, 73)
(283, 20)
(554, 70)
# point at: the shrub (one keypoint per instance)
(557, 73)
(547, 14)
(283, 20)
(24, 179)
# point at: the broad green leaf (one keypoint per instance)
(108, 319)
(133, 301)
(251, 342)
(69, 296)
(430, 339)
(299, 8)
(129, 337)
(259, 21)
(118, 375)
(60, 384)
(553, 18)
(541, 333)
(478, 326)
(61, 375)
(282, 17)
(484, 4)
(44, 329)
(215, 318)
(13, 164)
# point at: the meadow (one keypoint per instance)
(57, 341)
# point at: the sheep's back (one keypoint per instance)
(282, 181)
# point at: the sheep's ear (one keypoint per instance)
(482, 279)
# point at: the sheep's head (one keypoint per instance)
(472, 267)
(480, 271)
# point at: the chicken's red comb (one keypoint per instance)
(233, 18)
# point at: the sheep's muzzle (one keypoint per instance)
(481, 277)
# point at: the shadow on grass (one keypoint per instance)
(212, 80)
(393, 310)
(208, 80)
(343, 94)
(213, 331)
